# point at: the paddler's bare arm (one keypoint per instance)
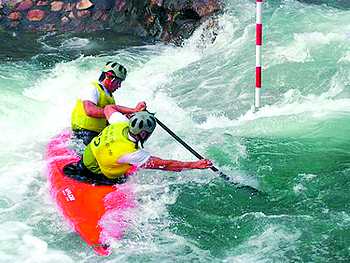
(174, 165)
(93, 110)
(110, 109)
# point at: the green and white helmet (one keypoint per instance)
(117, 69)
(142, 121)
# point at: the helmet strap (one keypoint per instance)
(141, 142)
(137, 138)
(142, 137)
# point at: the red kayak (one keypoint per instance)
(98, 213)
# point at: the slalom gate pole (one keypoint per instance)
(258, 53)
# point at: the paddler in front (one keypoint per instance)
(88, 118)
(118, 151)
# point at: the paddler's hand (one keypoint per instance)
(141, 106)
(202, 164)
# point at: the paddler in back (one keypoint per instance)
(118, 151)
(88, 118)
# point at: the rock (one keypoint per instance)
(156, 2)
(48, 27)
(68, 7)
(92, 27)
(12, 3)
(176, 5)
(83, 13)
(42, 3)
(97, 15)
(205, 7)
(104, 17)
(35, 15)
(14, 24)
(104, 4)
(120, 5)
(71, 15)
(15, 16)
(64, 20)
(84, 4)
(166, 20)
(56, 6)
(25, 5)
(150, 20)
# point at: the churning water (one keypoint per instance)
(296, 149)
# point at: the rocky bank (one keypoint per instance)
(165, 20)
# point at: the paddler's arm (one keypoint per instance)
(93, 110)
(110, 109)
(174, 165)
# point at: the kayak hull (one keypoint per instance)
(83, 205)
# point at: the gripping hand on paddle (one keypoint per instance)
(141, 106)
(110, 109)
(202, 164)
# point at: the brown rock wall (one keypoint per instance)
(25, 5)
(56, 6)
(35, 15)
(167, 20)
(15, 16)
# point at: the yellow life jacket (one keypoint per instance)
(80, 120)
(103, 152)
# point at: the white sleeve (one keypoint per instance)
(90, 95)
(117, 117)
(137, 158)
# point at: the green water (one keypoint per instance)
(295, 149)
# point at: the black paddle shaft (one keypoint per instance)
(252, 191)
(200, 157)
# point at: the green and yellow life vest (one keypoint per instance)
(101, 155)
(80, 120)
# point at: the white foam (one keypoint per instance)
(306, 110)
(302, 182)
(299, 49)
(345, 58)
(155, 74)
(18, 244)
(271, 245)
(75, 43)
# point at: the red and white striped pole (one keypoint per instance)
(258, 52)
